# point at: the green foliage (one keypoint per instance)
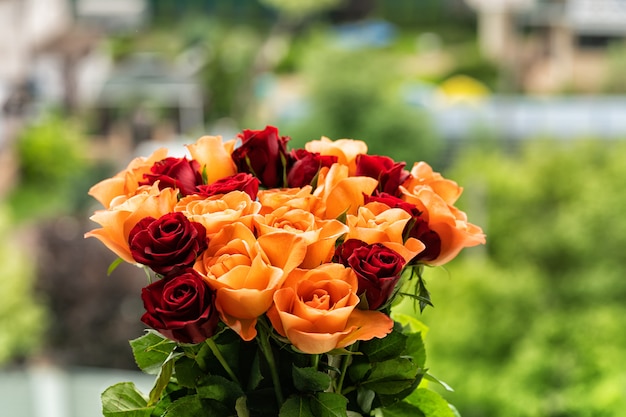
(54, 172)
(357, 94)
(22, 318)
(535, 326)
(226, 376)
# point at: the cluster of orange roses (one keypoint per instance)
(314, 239)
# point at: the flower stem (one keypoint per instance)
(263, 339)
(213, 346)
(344, 366)
(315, 360)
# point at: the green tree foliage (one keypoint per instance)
(22, 319)
(357, 94)
(536, 326)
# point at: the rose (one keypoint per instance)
(422, 175)
(113, 191)
(304, 165)
(180, 307)
(341, 193)
(119, 220)
(238, 182)
(377, 268)
(416, 228)
(263, 153)
(450, 225)
(346, 150)
(390, 174)
(316, 310)
(167, 243)
(319, 235)
(213, 155)
(179, 173)
(217, 211)
(246, 271)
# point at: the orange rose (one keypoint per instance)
(213, 155)
(124, 184)
(319, 235)
(422, 175)
(300, 198)
(316, 310)
(345, 150)
(245, 272)
(377, 223)
(217, 211)
(118, 221)
(447, 221)
(341, 193)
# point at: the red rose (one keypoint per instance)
(180, 307)
(263, 153)
(167, 243)
(390, 174)
(238, 182)
(416, 228)
(377, 268)
(178, 173)
(304, 166)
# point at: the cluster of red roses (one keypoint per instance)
(315, 239)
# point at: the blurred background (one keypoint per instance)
(523, 102)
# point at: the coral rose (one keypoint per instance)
(124, 184)
(422, 175)
(316, 310)
(213, 155)
(341, 193)
(245, 272)
(319, 235)
(217, 211)
(118, 221)
(449, 223)
(346, 150)
(377, 223)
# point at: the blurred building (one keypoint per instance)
(554, 45)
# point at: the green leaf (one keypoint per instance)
(401, 409)
(431, 378)
(151, 351)
(430, 403)
(297, 406)
(123, 399)
(194, 406)
(163, 379)
(329, 404)
(415, 349)
(309, 379)
(114, 266)
(391, 346)
(218, 388)
(392, 376)
(187, 372)
(414, 325)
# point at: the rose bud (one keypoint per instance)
(304, 166)
(170, 242)
(179, 173)
(263, 153)
(377, 268)
(180, 307)
(238, 182)
(390, 174)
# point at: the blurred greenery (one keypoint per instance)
(533, 324)
(22, 316)
(356, 93)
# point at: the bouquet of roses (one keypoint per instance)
(272, 275)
